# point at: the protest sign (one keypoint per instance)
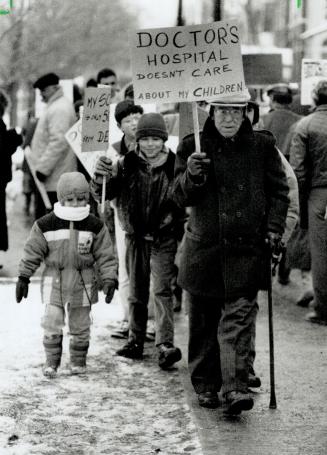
(95, 122)
(88, 159)
(312, 71)
(183, 64)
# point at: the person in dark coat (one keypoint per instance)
(308, 158)
(238, 197)
(9, 141)
(281, 121)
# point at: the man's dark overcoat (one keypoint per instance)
(244, 195)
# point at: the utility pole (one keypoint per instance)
(180, 18)
(217, 10)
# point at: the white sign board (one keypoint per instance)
(313, 71)
(183, 64)
(88, 159)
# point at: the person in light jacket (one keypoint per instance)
(51, 153)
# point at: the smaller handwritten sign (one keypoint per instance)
(95, 123)
(88, 159)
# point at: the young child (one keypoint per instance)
(141, 181)
(70, 241)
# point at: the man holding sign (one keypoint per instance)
(238, 197)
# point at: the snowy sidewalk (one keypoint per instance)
(120, 406)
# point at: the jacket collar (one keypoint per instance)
(58, 94)
(322, 107)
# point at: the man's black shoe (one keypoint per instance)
(305, 300)
(237, 402)
(131, 350)
(253, 381)
(168, 355)
(284, 280)
(208, 400)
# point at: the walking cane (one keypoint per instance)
(272, 403)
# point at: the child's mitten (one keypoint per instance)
(109, 288)
(21, 288)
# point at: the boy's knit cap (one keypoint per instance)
(72, 183)
(152, 124)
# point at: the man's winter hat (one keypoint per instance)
(237, 100)
(46, 80)
(72, 184)
(152, 124)
(125, 108)
(281, 88)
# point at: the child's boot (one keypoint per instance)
(78, 353)
(53, 350)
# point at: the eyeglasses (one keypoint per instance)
(232, 111)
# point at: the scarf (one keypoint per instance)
(71, 213)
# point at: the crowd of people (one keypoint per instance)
(204, 220)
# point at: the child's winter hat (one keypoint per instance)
(152, 124)
(71, 184)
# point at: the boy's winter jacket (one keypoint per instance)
(144, 197)
(70, 251)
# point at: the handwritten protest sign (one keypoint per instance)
(312, 71)
(95, 123)
(190, 63)
(88, 159)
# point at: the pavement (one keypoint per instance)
(132, 407)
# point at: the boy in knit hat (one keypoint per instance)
(70, 241)
(141, 181)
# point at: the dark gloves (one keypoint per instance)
(198, 165)
(109, 288)
(103, 167)
(276, 247)
(21, 288)
(41, 176)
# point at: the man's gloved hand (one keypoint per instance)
(275, 244)
(21, 288)
(274, 241)
(103, 168)
(41, 176)
(198, 164)
(109, 288)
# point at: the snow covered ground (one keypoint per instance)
(119, 406)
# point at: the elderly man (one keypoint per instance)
(238, 197)
(51, 154)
